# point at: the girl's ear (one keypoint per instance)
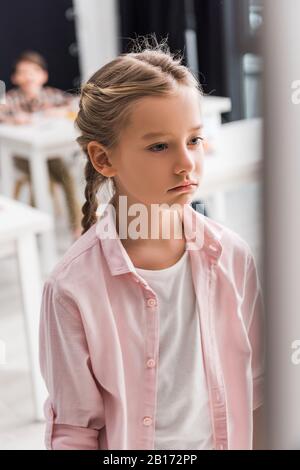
(100, 159)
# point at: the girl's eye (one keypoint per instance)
(198, 139)
(158, 147)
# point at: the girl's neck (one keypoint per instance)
(164, 228)
(148, 252)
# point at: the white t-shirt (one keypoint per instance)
(183, 416)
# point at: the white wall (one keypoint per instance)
(97, 29)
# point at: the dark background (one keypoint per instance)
(42, 26)
(223, 37)
(221, 26)
(168, 18)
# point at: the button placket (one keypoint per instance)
(214, 376)
(219, 397)
(139, 281)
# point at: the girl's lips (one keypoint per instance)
(186, 187)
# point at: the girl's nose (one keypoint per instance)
(185, 161)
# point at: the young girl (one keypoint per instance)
(149, 341)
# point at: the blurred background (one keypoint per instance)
(220, 41)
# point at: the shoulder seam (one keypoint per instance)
(68, 262)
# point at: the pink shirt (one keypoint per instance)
(99, 337)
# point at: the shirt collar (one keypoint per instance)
(117, 257)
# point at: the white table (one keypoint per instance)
(45, 139)
(213, 108)
(223, 175)
(237, 160)
(19, 226)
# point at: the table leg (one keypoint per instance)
(6, 168)
(40, 187)
(31, 286)
(40, 181)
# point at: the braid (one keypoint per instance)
(89, 208)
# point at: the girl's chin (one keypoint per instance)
(181, 198)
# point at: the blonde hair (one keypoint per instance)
(107, 97)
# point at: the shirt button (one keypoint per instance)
(151, 302)
(147, 421)
(150, 363)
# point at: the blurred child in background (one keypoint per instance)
(29, 96)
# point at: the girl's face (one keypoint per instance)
(146, 167)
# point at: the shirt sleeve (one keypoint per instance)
(74, 409)
(254, 315)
